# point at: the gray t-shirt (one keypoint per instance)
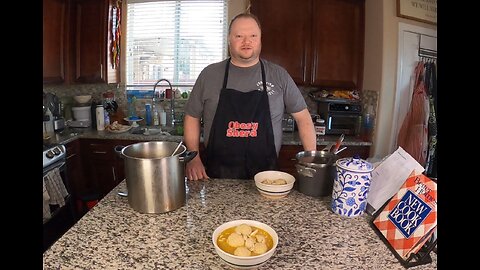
(283, 93)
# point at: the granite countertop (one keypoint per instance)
(289, 138)
(114, 236)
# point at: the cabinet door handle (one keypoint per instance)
(114, 176)
(293, 159)
(99, 152)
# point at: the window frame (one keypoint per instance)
(182, 86)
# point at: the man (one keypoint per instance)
(242, 100)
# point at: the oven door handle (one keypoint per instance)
(59, 165)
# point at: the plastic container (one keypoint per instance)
(132, 108)
(319, 126)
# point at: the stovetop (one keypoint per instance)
(53, 153)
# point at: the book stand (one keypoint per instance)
(419, 258)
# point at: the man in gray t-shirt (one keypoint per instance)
(283, 93)
(242, 74)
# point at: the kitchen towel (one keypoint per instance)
(46, 206)
(55, 187)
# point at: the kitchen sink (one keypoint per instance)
(150, 131)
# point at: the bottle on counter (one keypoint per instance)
(48, 122)
(368, 118)
(148, 114)
(163, 117)
(156, 120)
(100, 117)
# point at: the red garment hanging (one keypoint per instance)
(413, 134)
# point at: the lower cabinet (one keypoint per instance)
(75, 175)
(286, 158)
(104, 169)
(93, 170)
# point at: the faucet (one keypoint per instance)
(172, 99)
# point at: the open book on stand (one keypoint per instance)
(409, 219)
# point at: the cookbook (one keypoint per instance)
(409, 218)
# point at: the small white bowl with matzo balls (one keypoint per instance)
(274, 184)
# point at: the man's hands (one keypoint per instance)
(195, 169)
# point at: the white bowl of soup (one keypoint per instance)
(245, 243)
(274, 184)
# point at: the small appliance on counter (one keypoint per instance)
(55, 112)
(82, 117)
(341, 116)
(288, 123)
(81, 111)
(59, 124)
(341, 110)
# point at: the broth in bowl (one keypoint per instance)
(245, 240)
(248, 254)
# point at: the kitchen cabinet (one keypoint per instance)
(55, 40)
(319, 42)
(92, 42)
(74, 168)
(75, 176)
(77, 37)
(287, 160)
(104, 168)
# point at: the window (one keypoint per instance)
(174, 40)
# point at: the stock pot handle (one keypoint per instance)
(118, 149)
(305, 171)
(187, 156)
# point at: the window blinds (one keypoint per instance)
(174, 40)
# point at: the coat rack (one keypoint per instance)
(426, 55)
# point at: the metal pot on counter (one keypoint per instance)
(316, 172)
(155, 178)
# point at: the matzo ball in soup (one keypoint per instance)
(245, 240)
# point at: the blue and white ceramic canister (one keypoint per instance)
(351, 185)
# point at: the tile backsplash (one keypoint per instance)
(65, 93)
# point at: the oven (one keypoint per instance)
(341, 117)
(58, 207)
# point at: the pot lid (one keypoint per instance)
(355, 164)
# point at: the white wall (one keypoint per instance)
(380, 65)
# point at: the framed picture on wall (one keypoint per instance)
(418, 10)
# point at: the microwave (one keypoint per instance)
(341, 117)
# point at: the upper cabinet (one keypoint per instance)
(319, 42)
(54, 40)
(77, 41)
(93, 37)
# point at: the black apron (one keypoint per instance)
(241, 141)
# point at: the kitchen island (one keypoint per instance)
(114, 236)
